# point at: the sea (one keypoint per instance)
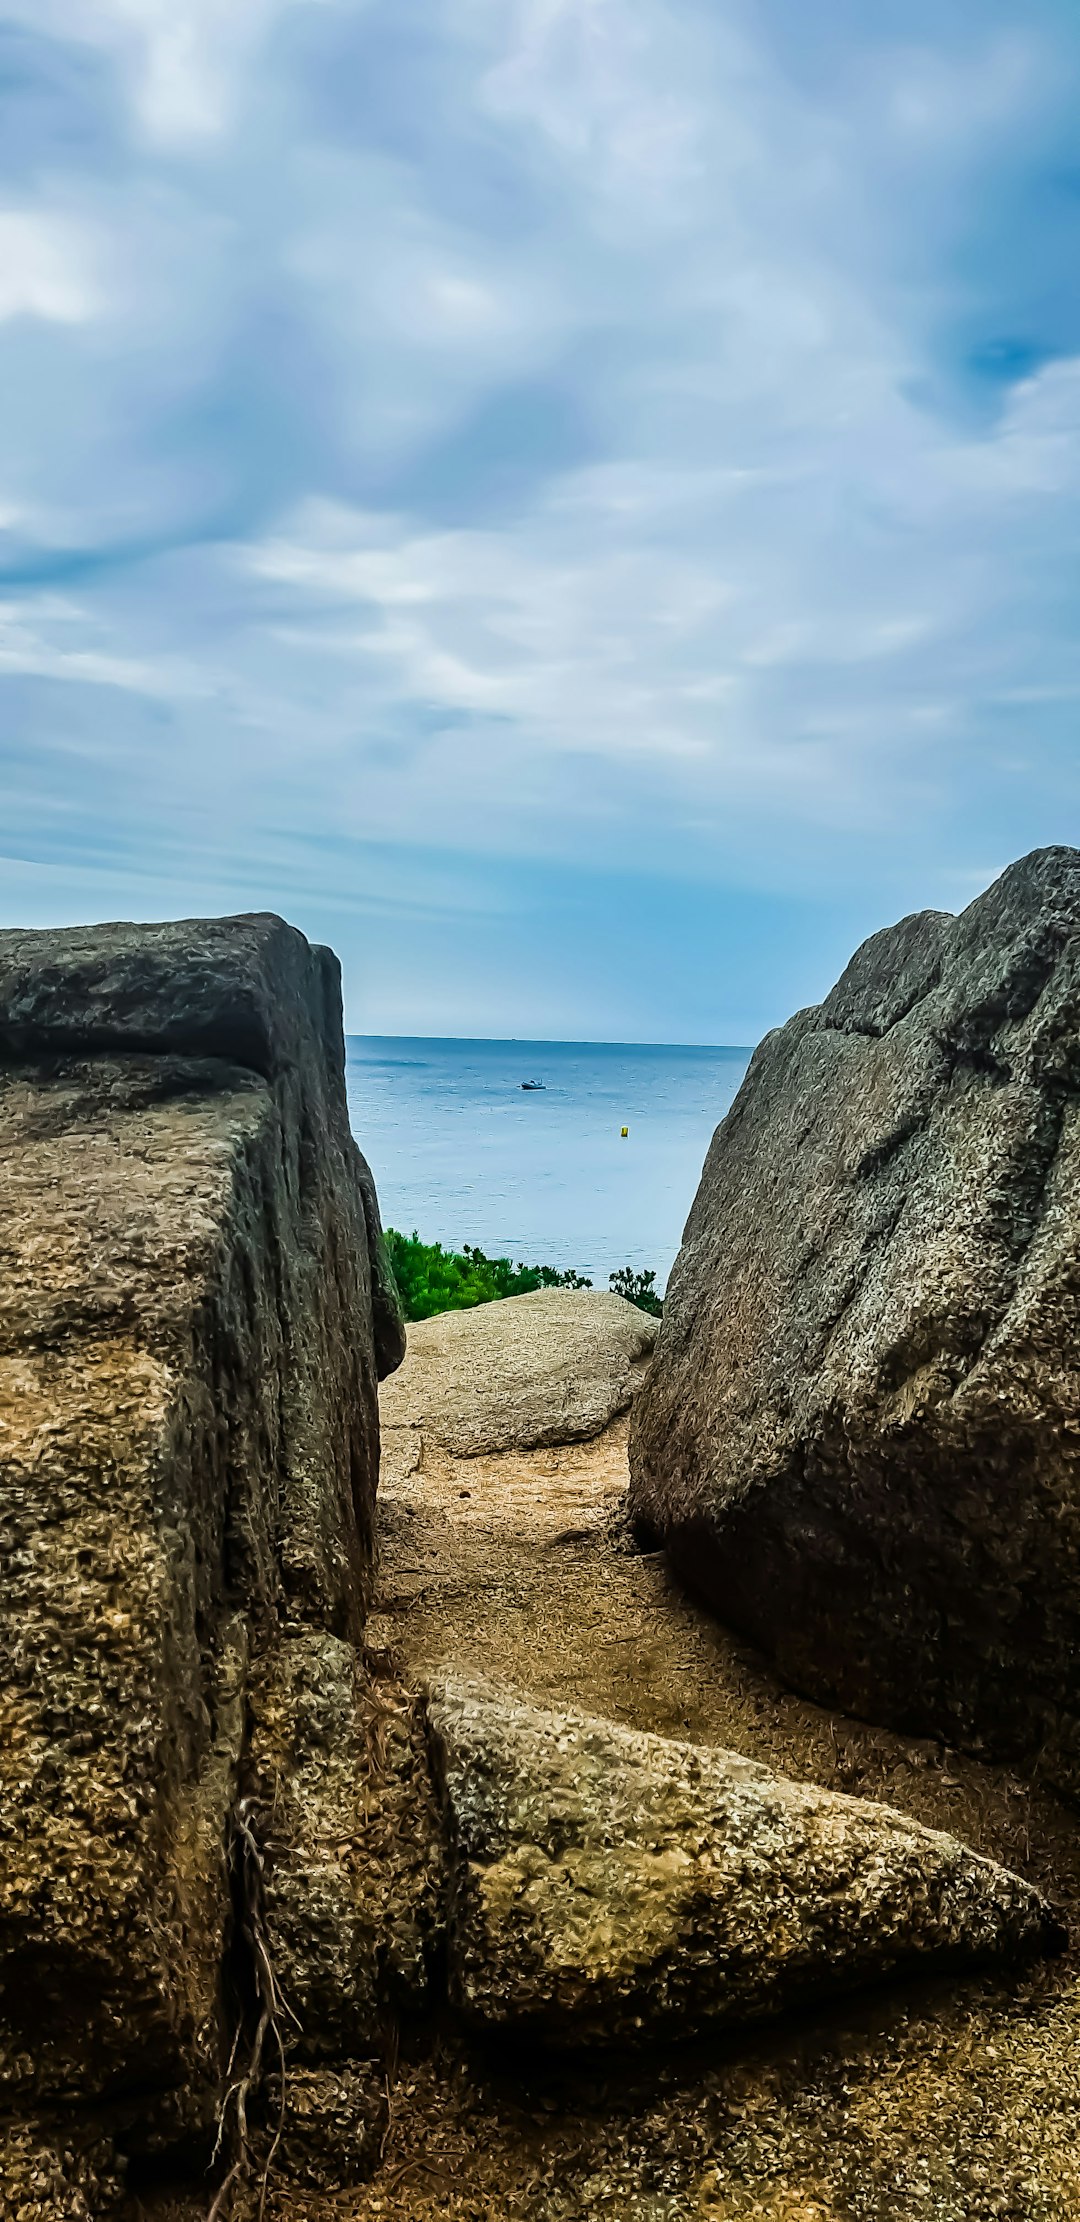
(462, 1153)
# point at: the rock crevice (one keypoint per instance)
(220, 1791)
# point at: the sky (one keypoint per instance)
(574, 502)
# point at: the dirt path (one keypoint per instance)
(939, 2103)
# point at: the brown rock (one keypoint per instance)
(58, 2171)
(609, 1886)
(190, 1311)
(337, 1773)
(552, 1367)
(860, 1436)
(330, 2126)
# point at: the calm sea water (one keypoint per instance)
(462, 1154)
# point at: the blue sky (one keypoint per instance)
(576, 502)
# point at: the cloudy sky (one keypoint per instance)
(576, 502)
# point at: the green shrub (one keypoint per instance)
(637, 1288)
(431, 1279)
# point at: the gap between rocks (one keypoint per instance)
(518, 1567)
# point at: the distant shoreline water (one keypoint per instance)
(462, 1153)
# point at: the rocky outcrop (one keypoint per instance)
(609, 1886)
(228, 1873)
(860, 1436)
(552, 1367)
(193, 1315)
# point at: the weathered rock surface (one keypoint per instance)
(330, 2127)
(192, 1318)
(57, 2171)
(553, 1367)
(336, 1760)
(612, 1886)
(860, 1436)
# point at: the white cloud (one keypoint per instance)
(719, 631)
(595, 78)
(182, 60)
(933, 97)
(36, 640)
(746, 581)
(48, 267)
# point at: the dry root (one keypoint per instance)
(246, 1862)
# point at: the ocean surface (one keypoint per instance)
(461, 1153)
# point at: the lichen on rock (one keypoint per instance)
(609, 1886)
(192, 1320)
(336, 1765)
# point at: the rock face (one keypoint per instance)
(193, 1316)
(609, 1886)
(553, 1367)
(860, 1436)
(353, 1868)
(224, 1868)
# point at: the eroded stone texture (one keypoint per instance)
(330, 2127)
(58, 2171)
(337, 1767)
(190, 1310)
(860, 1436)
(551, 1367)
(609, 1886)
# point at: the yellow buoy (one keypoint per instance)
(624, 1131)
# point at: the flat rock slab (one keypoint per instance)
(553, 1367)
(610, 1886)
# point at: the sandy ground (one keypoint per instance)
(935, 2103)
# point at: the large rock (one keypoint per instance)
(553, 1367)
(609, 1886)
(192, 1319)
(860, 1436)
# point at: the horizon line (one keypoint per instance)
(553, 1041)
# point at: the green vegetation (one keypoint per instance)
(637, 1288)
(431, 1279)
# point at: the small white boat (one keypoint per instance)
(534, 1084)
